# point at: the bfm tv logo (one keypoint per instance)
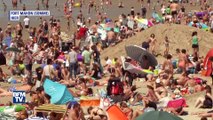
(19, 97)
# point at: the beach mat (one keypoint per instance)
(51, 108)
(115, 113)
(91, 102)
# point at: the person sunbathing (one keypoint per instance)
(82, 87)
(151, 94)
(193, 86)
(26, 88)
(176, 111)
(207, 101)
(3, 75)
(96, 113)
(182, 79)
(75, 111)
(204, 114)
(126, 110)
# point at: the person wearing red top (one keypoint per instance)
(82, 32)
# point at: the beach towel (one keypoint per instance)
(7, 117)
(115, 113)
(89, 102)
(58, 92)
(51, 108)
(177, 103)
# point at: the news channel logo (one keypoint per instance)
(14, 15)
(19, 97)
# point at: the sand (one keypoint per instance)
(178, 34)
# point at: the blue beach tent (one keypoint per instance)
(58, 92)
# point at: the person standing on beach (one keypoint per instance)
(182, 61)
(152, 43)
(1, 37)
(174, 10)
(143, 11)
(132, 12)
(148, 3)
(73, 62)
(47, 4)
(5, 6)
(14, 3)
(195, 45)
(24, 7)
(166, 43)
(26, 22)
(111, 37)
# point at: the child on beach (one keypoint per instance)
(152, 43)
(166, 43)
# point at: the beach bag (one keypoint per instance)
(203, 72)
(79, 57)
(115, 87)
(67, 64)
(104, 103)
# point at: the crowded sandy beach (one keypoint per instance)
(107, 60)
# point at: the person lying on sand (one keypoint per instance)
(26, 88)
(204, 114)
(206, 101)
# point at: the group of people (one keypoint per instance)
(79, 67)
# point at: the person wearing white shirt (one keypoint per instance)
(26, 22)
(35, 48)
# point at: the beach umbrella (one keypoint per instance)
(58, 92)
(13, 49)
(207, 62)
(137, 53)
(135, 69)
(158, 115)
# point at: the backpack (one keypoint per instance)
(115, 87)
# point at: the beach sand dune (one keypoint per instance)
(179, 37)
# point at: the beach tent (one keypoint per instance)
(58, 92)
(115, 113)
(158, 115)
(207, 62)
(137, 53)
